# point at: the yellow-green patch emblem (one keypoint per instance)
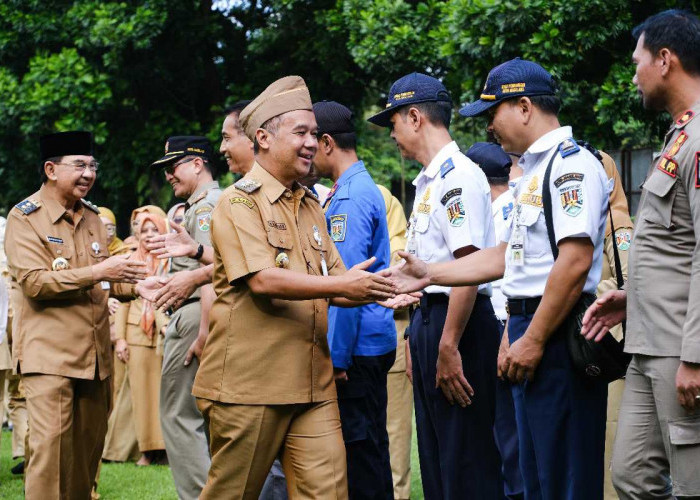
(244, 201)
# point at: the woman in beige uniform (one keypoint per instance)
(138, 325)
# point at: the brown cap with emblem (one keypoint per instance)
(286, 94)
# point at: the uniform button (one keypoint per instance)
(59, 252)
(81, 253)
(315, 341)
(287, 194)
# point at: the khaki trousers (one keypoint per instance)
(615, 390)
(657, 440)
(399, 414)
(144, 379)
(120, 443)
(245, 439)
(18, 415)
(68, 422)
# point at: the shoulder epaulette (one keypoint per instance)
(247, 185)
(685, 118)
(201, 196)
(28, 206)
(90, 205)
(446, 167)
(313, 195)
(568, 148)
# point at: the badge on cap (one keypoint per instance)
(96, 248)
(59, 264)
(282, 260)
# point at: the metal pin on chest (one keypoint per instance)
(96, 248)
(319, 241)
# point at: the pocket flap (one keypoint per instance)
(685, 430)
(422, 222)
(529, 215)
(280, 239)
(659, 183)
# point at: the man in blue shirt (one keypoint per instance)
(362, 340)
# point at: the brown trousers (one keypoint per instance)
(144, 379)
(246, 439)
(18, 415)
(68, 423)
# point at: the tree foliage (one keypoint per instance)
(136, 71)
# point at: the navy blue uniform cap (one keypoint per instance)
(491, 159)
(411, 89)
(333, 118)
(179, 146)
(514, 78)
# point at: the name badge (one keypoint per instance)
(104, 285)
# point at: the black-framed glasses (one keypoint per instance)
(80, 166)
(171, 168)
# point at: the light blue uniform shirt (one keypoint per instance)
(356, 219)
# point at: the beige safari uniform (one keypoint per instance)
(61, 341)
(265, 382)
(182, 423)
(655, 434)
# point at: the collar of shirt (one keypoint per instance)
(355, 168)
(273, 188)
(434, 166)
(551, 139)
(56, 210)
(201, 189)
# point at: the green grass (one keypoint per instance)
(129, 482)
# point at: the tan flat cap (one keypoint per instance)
(286, 94)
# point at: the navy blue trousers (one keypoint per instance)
(362, 401)
(456, 446)
(505, 431)
(561, 425)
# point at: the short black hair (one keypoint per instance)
(236, 107)
(347, 141)
(550, 104)
(437, 112)
(272, 125)
(497, 181)
(674, 29)
(42, 171)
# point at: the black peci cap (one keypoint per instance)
(179, 146)
(66, 143)
(333, 118)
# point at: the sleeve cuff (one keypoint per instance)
(242, 269)
(342, 360)
(690, 351)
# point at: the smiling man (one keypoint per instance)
(265, 384)
(235, 145)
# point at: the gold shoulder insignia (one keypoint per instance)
(685, 118)
(310, 193)
(90, 205)
(247, 185)
(28, 206)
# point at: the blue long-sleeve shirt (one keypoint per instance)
(356, 219)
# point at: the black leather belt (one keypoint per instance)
(430, 299)
(523, 306)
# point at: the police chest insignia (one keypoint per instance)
(697, 170)
(507, 210)
(247, 185)
(571, 199)
(28, 206)
(676, 146)
(455, 212)
(623, 240)
(568, 148)
(573, 176)
(446, 167)
(687, 116)
(243, 201)
(668, 166)
(59, 264)
(450, 194)
(54, 239)
(533, 185)
(339, 225)
(204, 221)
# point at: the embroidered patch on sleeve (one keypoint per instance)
(339, 225)
(450, 194)
(204, 221)
(572, 199)
(571, 176)
(455, 212)
(243, 201)
(623, 240)
(668, 166)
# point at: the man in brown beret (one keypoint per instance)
(265, 382)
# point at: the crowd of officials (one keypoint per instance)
(272, 339)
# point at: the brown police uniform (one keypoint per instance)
(658, 441)
(61, 344)
(265, 381)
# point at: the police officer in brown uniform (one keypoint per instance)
(57, 255)
(657, 447)
(265, 382)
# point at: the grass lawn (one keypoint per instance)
(129, 482)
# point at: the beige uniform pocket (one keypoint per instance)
(660, 195)
(684, 437)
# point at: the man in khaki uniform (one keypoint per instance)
(399, 410)
(57, 255)
(265, 383)
(657, 447)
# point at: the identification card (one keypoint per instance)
(517, 247)
(324, 266)
(104, 285)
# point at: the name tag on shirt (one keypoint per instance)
(104, 285)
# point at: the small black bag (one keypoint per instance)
(602, 361)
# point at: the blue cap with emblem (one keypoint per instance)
(411, 89)
(491, 159)
(514, 78)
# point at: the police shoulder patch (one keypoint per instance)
(456, 214)
(247, 185)
(204, 221)
(623, 239)
(339, 226)
(568, 148)
(450, 194)
(446, 167)
(572, 199)
(571, 176)
(90, 205)
(28, 206)
(242, 201)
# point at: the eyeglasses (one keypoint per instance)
(80, 166)
(171, 168)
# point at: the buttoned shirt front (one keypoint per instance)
(61, 316)
(452, 210)
(579, 189)
(501, 209)
(260, 349)
(357, 223)
(664, 261)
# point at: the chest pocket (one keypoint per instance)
(313, 257)
(535, 246)
(280, 239)
(61, 250)
(661, 193)
(422, 222)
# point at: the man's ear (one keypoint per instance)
(263, 137)
(50, 170)
(525, 107)
(327, 144)
(664, 58)
(414, 118)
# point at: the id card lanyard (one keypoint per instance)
(319, 241)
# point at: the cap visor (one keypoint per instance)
(476, 108)
(383, 118)
(167, 159)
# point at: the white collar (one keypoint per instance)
(545, 143)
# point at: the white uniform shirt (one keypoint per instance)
(580, 191)
(501, 209)
(452, 210)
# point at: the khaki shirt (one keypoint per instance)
(127, 324)
(263, 350)
(61, 322)
(664, 262)
(197, 223)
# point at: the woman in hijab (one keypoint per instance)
(138, 325)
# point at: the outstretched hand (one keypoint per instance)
(401, 301)
(177, 244)
(410, 275)
(607, 311)
(365, 286)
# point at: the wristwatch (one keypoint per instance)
(200, 252)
